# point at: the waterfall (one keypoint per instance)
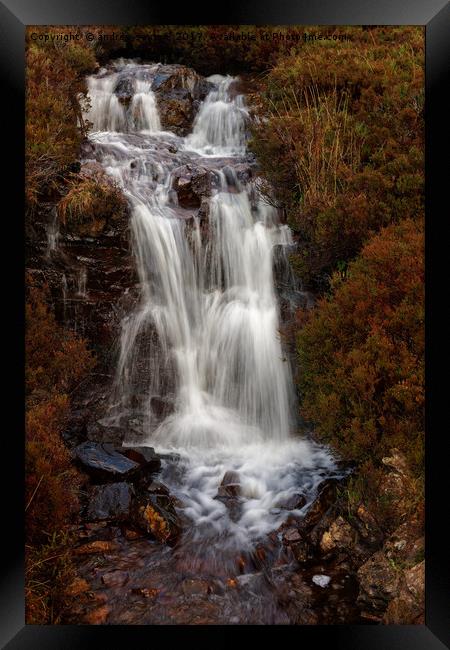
(201, 353)
(219, 128)
(108, 113)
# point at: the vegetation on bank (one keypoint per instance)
(56, 360)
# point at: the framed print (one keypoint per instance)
(225, 364)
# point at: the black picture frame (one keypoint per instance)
(15, 15)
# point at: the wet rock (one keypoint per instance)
(302, 551)
(367, 526)
(147, 458)
(378, 583)
(178, 90)
(176, 112)
(291, 536)
(115, 578)
(228, 493)
(252, 582)
(326, 497)
(145, 592)
(131, 534)
(339, 536)
(110, 501)
(103, 462)
(155, 488)
(195, 587)
(153, 511)
(294, 502)
(191, 184)
(230, 485)
(99, 546)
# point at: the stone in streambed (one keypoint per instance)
(103, 462)
(230, 485)
(153, 511)
(191, 185)
(146, 457)
(115, 578)
(229, 494)
(325, 498)
(110, 501)
(99, 546)
(294, 502)
(195, 587)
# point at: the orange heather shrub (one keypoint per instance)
(361, 352)
(55, 361)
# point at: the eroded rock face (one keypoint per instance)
(90, 272)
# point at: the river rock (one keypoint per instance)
(96, 547)
(194, 587)
(110, 501)
(147, 458)
(178, 91)
(325, 498)
(153, 511)
(103, 462)
(230, 485)
(191, 184)
(294, 502)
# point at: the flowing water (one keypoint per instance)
(201, 367)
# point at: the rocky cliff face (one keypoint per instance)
(90, 273)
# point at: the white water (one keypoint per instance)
(208, 314)
(219, 128)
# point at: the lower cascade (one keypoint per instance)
(201, 370)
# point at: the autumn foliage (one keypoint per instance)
(55, 361)
(343, 143)
(361, 351)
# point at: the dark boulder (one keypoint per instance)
(326, 497)
(229, 494)
(110, 501)
(179, 91)
(230, 485)
(191, 185)
(103, 462)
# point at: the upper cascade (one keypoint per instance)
(220, 126)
